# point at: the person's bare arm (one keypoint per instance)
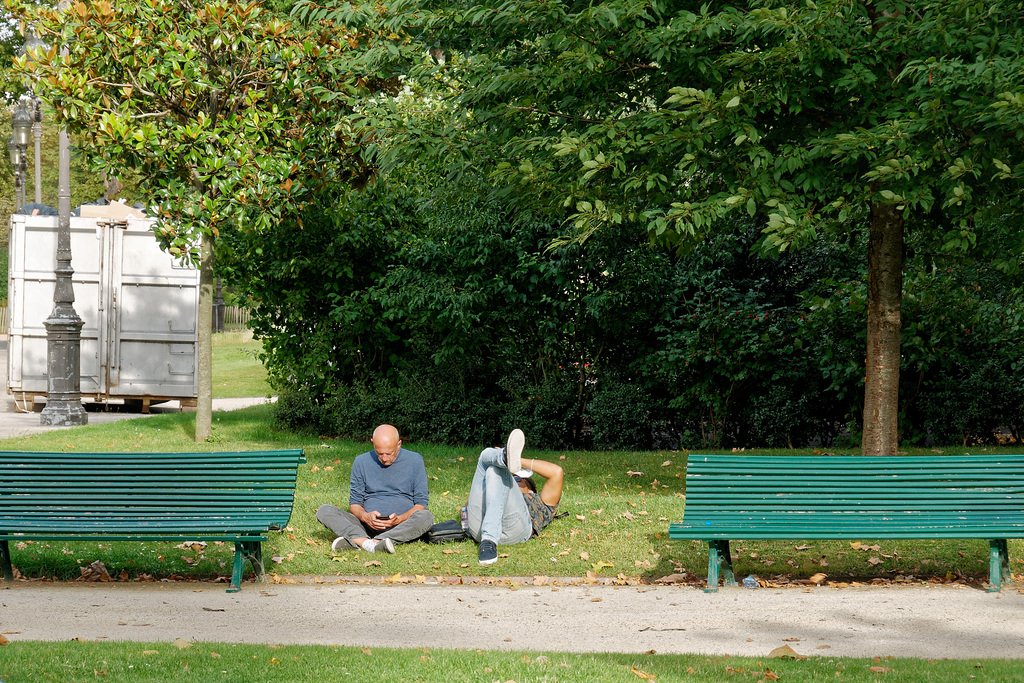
(554, 477)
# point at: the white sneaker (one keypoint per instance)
(339, 544)
(379, 545)
(514, 450)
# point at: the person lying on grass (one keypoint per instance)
(388, 498)
(504, 506)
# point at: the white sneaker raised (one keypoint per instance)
(514, 451)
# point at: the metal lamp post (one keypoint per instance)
(63, 327)
(21, 125)
(15, 154)
(32, 41)
(37, 135)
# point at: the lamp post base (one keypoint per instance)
(64, 394)
(63, 414)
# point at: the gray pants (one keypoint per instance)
(344, 523)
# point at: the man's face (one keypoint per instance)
(387, 450)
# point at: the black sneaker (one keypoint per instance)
(488, 552)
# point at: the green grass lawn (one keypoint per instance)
(619, 506)
(236, 371)
(123, 661)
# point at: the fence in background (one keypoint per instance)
(236, 316)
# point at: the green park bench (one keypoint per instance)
(852, 497)
(230, 497)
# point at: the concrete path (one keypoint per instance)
(925, 622)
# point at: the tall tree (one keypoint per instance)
(203, 103)
(813, 117)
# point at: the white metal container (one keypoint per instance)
(139, 306)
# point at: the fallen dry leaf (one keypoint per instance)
(818, 578)
(631, 473)
(672, 578)
(191, 545)
(642, 674)
(785, 652)
(879, 669)
(372, 563)
(3, 641)
(181, 643)
(95, 572)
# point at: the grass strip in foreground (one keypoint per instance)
(183, 662)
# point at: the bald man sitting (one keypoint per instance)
(387, 498)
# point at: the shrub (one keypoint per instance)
(622, 415)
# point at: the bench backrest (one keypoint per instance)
(818, 494)
(252, 489)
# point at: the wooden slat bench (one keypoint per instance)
(232, 497)
(852, 497)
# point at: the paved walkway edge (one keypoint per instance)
(923, 622)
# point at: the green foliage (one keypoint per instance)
(460, 325)
(465, 313)
(729, 353)
(309, 280)
(809, 118)
(798, 113)
(191, 99)
(962, 342)
(624, 415)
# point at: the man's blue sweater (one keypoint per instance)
(392, 489)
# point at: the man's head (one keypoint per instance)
(526, 484)
(386, 443)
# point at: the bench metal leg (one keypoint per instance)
(719, 559)
(5, 561)
(246, 551)
(998, 565)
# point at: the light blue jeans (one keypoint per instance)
(497, 510)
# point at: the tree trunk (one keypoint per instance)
(204, 406)
(885, 293)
